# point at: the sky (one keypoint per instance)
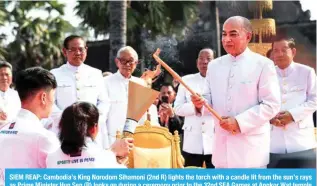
(70, 15)
(309, 4)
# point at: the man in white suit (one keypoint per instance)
(77, 81)
(10, 103)
(117, 88)
(293, 127)
(198, 131)
(242, 86)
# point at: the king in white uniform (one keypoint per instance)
(243, 88)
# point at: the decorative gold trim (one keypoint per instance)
(260, 48)
(263, 27)
(177, 160)
(260, 5)
(181, 160)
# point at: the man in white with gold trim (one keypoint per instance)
(198, 131)
(10, 103)
(77, 81)
(117, 90)
(293, 127)
(243, 88)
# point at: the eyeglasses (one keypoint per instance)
(126, 62)
(80, 49)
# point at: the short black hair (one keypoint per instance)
(165, 84)
(289, 40)
(5, 64)
(74, 125)
(69, 38)
(31, 80)
(268, 53)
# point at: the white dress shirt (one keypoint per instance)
(117, 89)
(245, 87)
(25, 143)
(198, 131)
(92, 156)
(82, 83)
(298, 88)
(10, 104)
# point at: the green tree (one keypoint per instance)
(118, 28)
(157, 17)
(3, 17)
(145, 19)
(37, 40)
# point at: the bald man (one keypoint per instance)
(243, 88)
(198, 131)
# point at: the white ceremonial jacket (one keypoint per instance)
(92, 156)
(25, 143)
(298, 91)
(10, 104)
(198, 131)
(117, 89)
(83, 83)
(245, 87)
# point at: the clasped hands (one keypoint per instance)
(228, 123)
(282, 119)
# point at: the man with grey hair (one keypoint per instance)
(243, 87)
(117, 90)
(10, 103)
(198, 131)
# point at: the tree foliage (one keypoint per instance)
(38, 39)
(156, 17)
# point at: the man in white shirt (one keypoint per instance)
(117, 90)
(10, 103)
(198, 131)
(25, 143)
(77, 81)
(242, 86)
(293, 127)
